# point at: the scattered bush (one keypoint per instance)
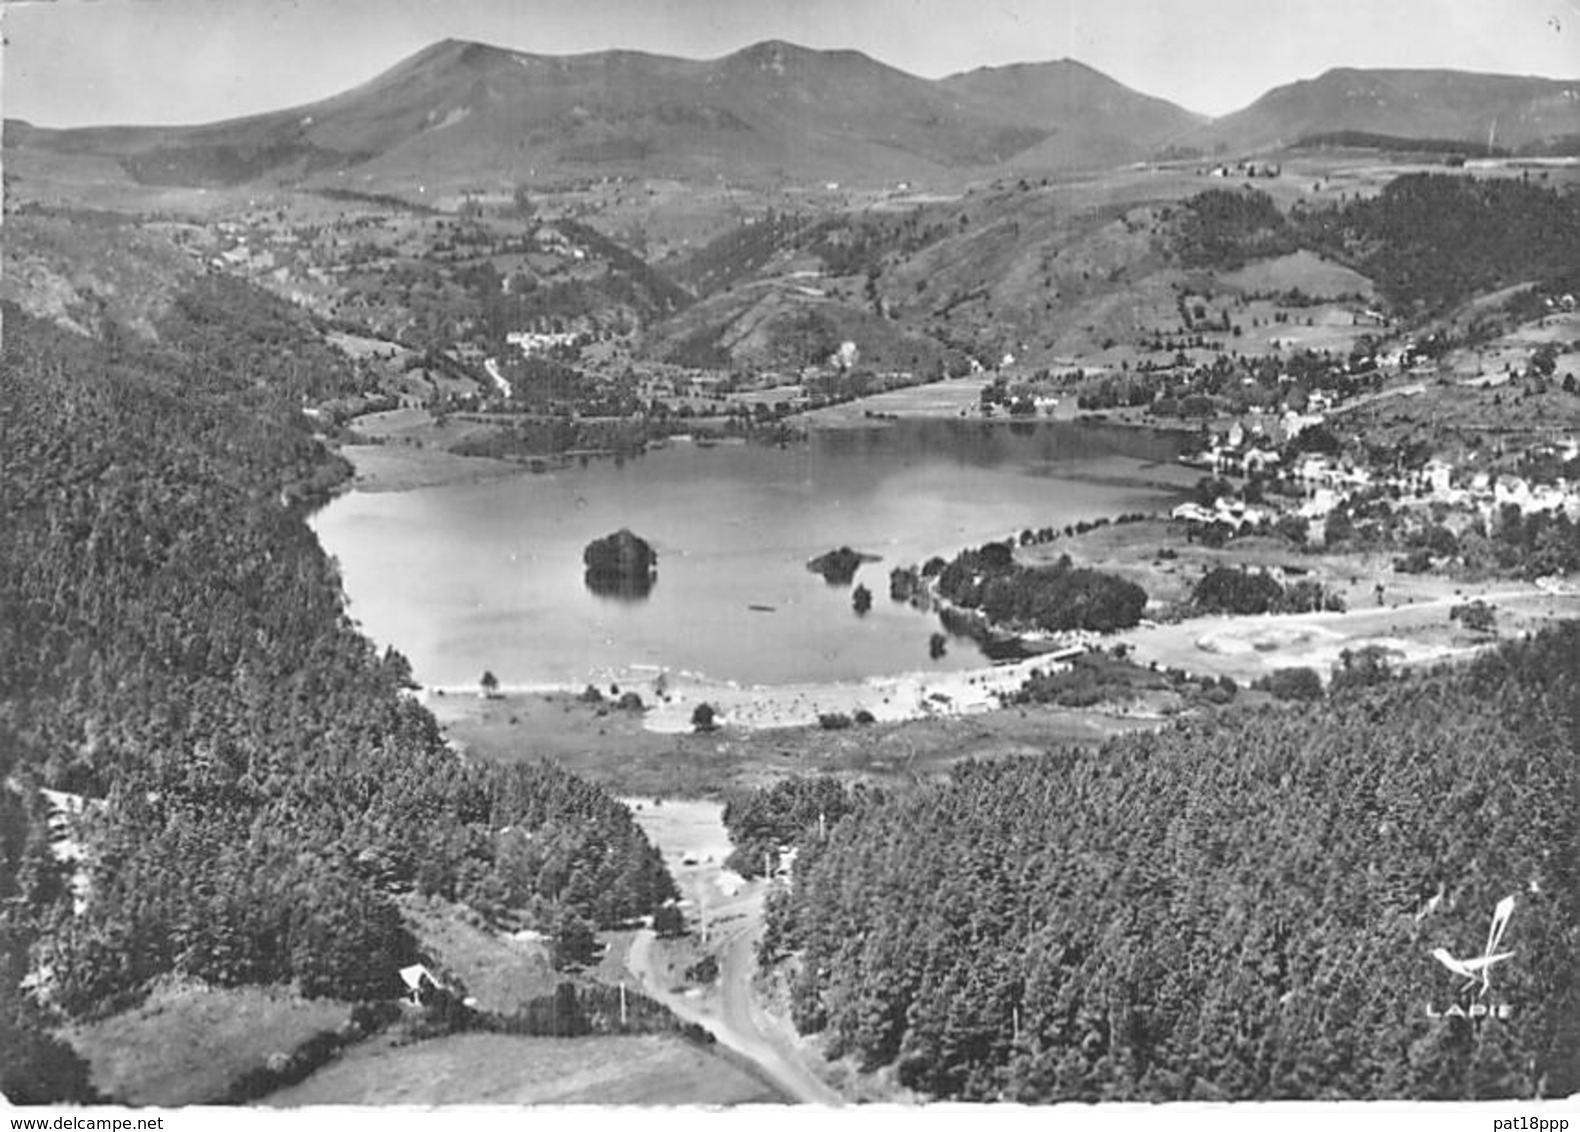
(705, 970)
(1292, 684)
(669, 921)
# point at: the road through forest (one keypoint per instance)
(733, 909)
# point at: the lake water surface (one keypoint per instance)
(489, 575)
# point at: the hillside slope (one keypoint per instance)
(175, 649)
(1506, 110)
(1091, 119)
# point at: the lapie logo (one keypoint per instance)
(1477, 972)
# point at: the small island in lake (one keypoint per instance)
(839, 567)
(620, 565)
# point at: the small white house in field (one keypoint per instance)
(418, 979)
(1436, 475)
(1194, 513)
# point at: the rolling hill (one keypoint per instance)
(1511, 111)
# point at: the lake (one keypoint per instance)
(476, 576)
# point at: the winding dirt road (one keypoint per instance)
(734, 910)
(737, 1020)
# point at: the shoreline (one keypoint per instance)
(1243, 647)
(671, 697)
(400, 452)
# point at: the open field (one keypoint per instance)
(1247, 648)
(617, 752)
(1131, 550)
(410, 451)
(500, 972)
(186, 1044)
(398, 467)
(1407, 613)
(953, 397)
(1511, 352)
(689, 833)
(1320, 278)
(480, 1069)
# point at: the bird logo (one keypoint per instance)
(1479, 969)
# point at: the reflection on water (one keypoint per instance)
(619, 587)
(492, 574)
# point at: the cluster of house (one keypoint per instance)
(1330, 484)
(530, 342)
(1247, 169)
(555, 242)
(1249, 451)
(1233, 513)
(1489, 493)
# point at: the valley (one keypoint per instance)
(1155, 445)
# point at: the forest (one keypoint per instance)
(1240, 907)
(1431, 240)
(1057, 597)
(764, 822)
(259, 786)
(1227, 228)
(1225, 589)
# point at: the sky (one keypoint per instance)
(96, 62)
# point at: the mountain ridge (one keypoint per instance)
(458, 111)
(773, 109)
(1517, 110)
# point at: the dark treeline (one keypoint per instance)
(1239, 907)
(1431, 240)
(1056, 597)
(1363, 139)
(1227, 589)
(174, 647)
(1227, 228)
(1535, 544)
(783, 815)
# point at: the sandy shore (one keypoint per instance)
(671, 698)
(1244, 648)
(912, 695)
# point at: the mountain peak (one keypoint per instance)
(778, 54)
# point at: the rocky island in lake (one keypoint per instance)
(621, 565)
(839, 567)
